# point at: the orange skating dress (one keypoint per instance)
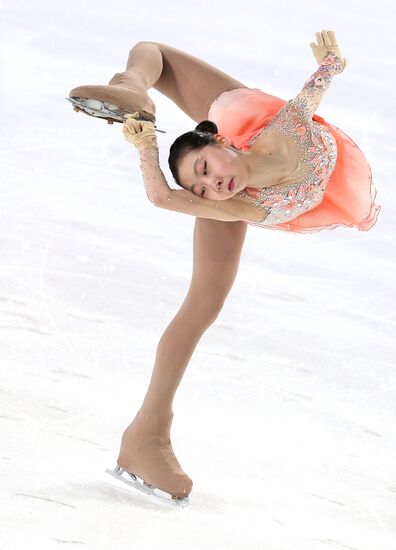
(332, 185)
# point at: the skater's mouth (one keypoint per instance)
(231, 185)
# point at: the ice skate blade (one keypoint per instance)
(100, 109)
(150, 490)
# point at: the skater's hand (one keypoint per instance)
(327, 42)
(140, 133)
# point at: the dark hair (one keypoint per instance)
(203, 134)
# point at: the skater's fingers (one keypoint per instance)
(138, 125)
(332, 37)
(133, 125)
(133, 115)
(139, 133)
(128, 133)
(326, 38)
(319, 39)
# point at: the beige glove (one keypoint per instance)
(327, 42)
(141, 133)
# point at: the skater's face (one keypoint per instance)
(207, 172)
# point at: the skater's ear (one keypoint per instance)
(223, 140)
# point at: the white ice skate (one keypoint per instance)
(101, 109)
(153, 492)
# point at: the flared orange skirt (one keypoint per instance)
(350, 194)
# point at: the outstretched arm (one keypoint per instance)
(331, 62)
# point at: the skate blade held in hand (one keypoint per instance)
(150, 490)
(101, 109)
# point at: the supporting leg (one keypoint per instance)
(217, 250)
(146, 449)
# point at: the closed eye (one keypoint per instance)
(205, 172)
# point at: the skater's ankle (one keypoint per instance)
(130, 79)
(154, 412)
(139, 75)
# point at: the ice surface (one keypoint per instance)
(285, 419)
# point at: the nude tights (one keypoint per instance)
(192, 84)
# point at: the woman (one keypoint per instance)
(273, 164)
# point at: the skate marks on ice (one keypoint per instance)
(153, 493)
(46, 499)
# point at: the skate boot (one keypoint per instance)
(124, 94)
(146, 453)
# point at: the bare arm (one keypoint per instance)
(160, 194)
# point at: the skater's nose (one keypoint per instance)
(216, 184)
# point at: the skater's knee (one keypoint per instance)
(144, 43)
(204, 310)
(211, 312)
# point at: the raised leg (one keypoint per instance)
(191, 83)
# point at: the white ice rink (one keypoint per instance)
(285, 419)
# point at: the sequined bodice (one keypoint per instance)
(316, 148)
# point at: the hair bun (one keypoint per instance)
(207, 126)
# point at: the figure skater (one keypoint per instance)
(253, 159)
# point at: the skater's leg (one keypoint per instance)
(146, 448)
(217, 250)
(191, 83)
